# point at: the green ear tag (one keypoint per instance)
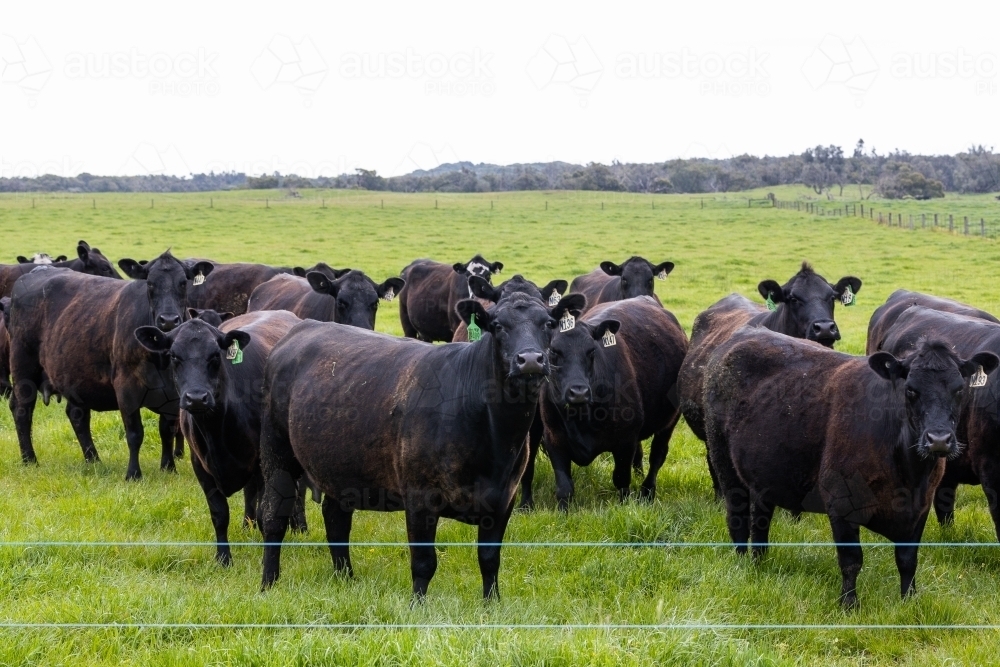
(475, 333)
(770, 303)
(234, 353)
(847, 298)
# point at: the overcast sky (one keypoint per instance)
(320, 88)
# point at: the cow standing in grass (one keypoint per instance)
(348, 297)
(73, 335)
(862, 439)
(427, 303)
(88, 261)
(613, 384)
(803, 308)
(219, 385)
(389, 424)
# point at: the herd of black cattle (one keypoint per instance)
(277, 381)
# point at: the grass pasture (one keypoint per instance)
(718, 243)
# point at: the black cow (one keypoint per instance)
(613, 384)
(41, 258)
(322, 267)
(5, 386)
(550, 295)
(427, 303)
(89, 261)
(979, 424)
(614, 282)
(803, 309)
(229, 287)
(886, 315)
(73, 335)
(433, 430)
(791, 424)
(220, 404)
(350, 299)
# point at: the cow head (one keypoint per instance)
(477, 266)
(323, 268)
(935, 382)
(196, 350)
(356, 295)
(636, 275)
(481, 288)
(40, 258)
(807, 302)
(575, 356)
(166, 285)
(521, 329)
(94, 263)
(213, 317)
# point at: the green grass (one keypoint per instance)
(722, 247)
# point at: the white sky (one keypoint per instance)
(179, 87)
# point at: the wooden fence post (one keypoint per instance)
(951, 222)
(966, 225)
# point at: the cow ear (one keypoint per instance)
(299, 271)
(611, 268)
(987, 360)
(83, 251)
(339, 273)
(394, 284)
(607, 325)
(887, 366)
(61, 258)
(226, 316)
(321, 283)
(479, 287)
(496, 267)
(133, 269)
(203, 267)
(771, 288)
(557, 286)
(242, 337)
(153, 339)
(21, 259)
(193, 313)
(466, 308)
(842, 284)
(459, 267)
(663, 267)
(571, 303)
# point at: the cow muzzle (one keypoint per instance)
(168, 322)
(824, 332)
(578, 394)
(197, 401)
(939, 444)
(530, 363)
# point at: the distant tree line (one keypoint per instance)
(825, 169)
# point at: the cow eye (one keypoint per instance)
(214, 361)
(550, 324)
(911, 394)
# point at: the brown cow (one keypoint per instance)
(427, 303)
(614, 282)
(350, 299)
(89, 261)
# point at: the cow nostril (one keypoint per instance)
(540, 359)
(519, 360)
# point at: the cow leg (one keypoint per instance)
(409, 331)
(133, 436)
(534, 442)
(298, 519)
(735, 494)
(991, 487)
(218, 507)
(716, 485)
(338, 534)
(178, 441)
(251, 500)
(637, 459)
(491, 531)
(850, 557)
(761, 514)
(277, 505)
(168, 426)
(79, 418)
(22, 407)
(906, 560)
(561, 465)
(421, 530)
(657, 457)
(621, 476)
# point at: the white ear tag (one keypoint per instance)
(198, 279)
(389, 295)
(609, 339)
(978, 379)
(567, 323)
(662, 275)
(554, 298)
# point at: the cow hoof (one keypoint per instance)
(168, 467)
(179, 454)
(299, 528)
(527, 505)
(224, 559)
(133, 476)
(564, 506)
(849, 602)
(29, 461)
(647, 495)
(946, 519)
